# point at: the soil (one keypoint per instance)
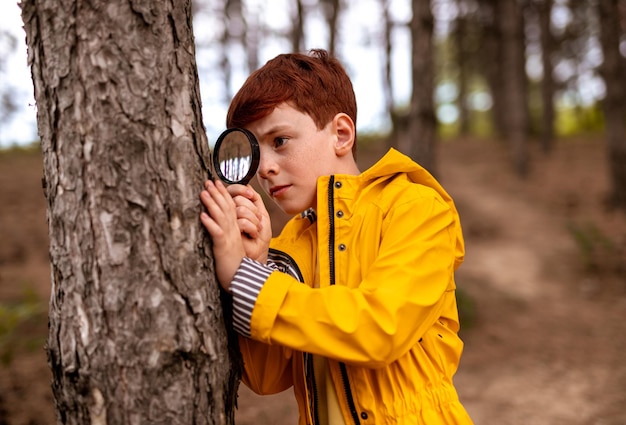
(542, 291)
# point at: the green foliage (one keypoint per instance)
(15, 320)
(576, 120)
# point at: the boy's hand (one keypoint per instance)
(221, 222)
(253, 220)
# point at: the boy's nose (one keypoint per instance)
(267, 165)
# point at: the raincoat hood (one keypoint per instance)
(394, 163)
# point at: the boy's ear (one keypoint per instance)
(345, 131)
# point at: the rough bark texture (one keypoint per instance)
(422, 124)
(615, 100)
(136, 332)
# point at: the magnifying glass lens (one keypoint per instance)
(236, 156)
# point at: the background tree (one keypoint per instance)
(297, 28)
(544, 11)
(614, 101)
(386, 42)
(332, 11)
(514, 82)
(136, 332)
(465, 44)
(491, 60)
(422, 123)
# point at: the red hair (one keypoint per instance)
(315, 84)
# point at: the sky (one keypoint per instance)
(23, 127)
(363, 63)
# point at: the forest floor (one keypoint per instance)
(543, 289)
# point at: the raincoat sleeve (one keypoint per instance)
(267, 368)
(396, 300)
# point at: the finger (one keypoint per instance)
(244, 213)
(220, 196)
(223, 214)
(241, 190)
(249, 228)
(212, 227)
(257, 200)
(245, 204)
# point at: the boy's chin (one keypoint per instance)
(290, 209)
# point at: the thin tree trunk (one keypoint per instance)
(462, 59)
(136, 332)
(547, 82)
(297, 29)
(422, 121)
(387, 83)
(514, 74)
(332, 10)
(491, 61)
(614, 101)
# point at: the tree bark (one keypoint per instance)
(614, 101)
(136, 331)
(422, 124)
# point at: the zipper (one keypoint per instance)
(348, 391)
(331, 253)
(331, 231)
(310, 378)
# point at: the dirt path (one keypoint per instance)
(547, 346)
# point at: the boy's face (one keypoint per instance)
(294, 153)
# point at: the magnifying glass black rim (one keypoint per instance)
(255, 152)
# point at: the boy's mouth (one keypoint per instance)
(278, 190)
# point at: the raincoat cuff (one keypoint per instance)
(245, 289)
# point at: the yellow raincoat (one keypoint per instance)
(386, 244)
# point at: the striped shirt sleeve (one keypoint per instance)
(245, 289)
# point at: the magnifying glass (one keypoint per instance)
(236, 156)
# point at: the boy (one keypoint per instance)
(353, 304)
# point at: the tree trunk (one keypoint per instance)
(422, 121)
(297, 28)
(547, 81)
(490, 54)
(136, 332)
(514, 74)
(387, 82)
(332, 10)
(614, 101)
(462, 61)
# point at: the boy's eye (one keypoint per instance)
(279, 141)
